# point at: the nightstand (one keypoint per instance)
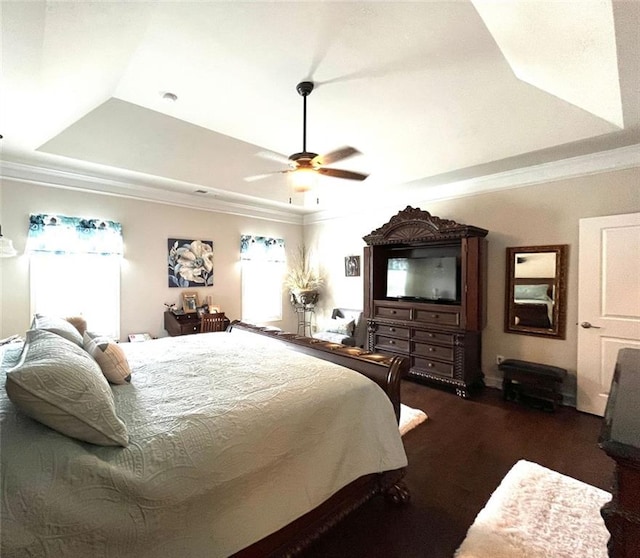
(181, 324)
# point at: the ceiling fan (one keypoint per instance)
(307, 162)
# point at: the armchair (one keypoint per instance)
(346, 326)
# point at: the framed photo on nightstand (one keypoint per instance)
(189, 302)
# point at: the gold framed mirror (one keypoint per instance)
(535, 293)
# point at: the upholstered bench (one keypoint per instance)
(537, 384)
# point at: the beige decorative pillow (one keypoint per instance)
(344, 326)
(109, 356)
(59, 326)
(78, 322)
(58, 384)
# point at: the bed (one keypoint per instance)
(246, 443)
(533, 299)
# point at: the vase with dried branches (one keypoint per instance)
(302, 279)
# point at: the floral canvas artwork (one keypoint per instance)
(190, 263)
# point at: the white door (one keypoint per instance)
(608, 302)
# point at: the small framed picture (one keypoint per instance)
(204, 309)
(189, 302)
(214, 309)
(352, 266)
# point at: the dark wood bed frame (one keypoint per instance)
(385, 371)
(534, 315)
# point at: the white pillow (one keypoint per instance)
(532, 292)
(109, 356)
(59, 326)
(58, 384)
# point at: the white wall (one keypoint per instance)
(146, 228)
(529, 216)
(534, 215)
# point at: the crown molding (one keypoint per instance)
(138, 190)
(157, 190)
(574, 167)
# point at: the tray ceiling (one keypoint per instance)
(428, 91)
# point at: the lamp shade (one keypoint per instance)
(6, 247)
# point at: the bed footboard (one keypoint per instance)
(384, 370)
(295, 537)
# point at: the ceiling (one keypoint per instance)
(429, 92)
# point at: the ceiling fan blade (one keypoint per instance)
(274, 157)
(261, 176)
(336, 155)
(340, 173)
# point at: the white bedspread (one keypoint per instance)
(222, 453)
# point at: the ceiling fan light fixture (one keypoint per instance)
(303, 180)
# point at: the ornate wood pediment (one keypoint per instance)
(415, 225)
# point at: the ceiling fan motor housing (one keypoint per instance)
(303, 159)
(304, 88)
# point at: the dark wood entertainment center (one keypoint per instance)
(440, 336)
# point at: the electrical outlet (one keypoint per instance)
(499, 359)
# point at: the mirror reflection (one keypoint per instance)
(535, 290)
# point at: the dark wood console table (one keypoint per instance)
(620, 439)
(183, 324)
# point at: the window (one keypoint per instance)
(263, 267)
(86, 285)
(75, 269)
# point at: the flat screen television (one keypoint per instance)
(433, 279)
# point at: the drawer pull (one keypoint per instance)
(435, 316)
(431, 350)
(392, 329)
(392, 342)
(430, 365)
(431, 335)
(393, 311)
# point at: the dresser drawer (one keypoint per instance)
(433, 366)
(393, 313)
(186, 317)
(181, 324)
(433, 351)
(433, 337)
(438, 317)
(388, 343)
(187, 328)
(393, 331)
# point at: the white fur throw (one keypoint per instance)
(410, 418)
(539, 513)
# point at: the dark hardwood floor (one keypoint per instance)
(456, 460)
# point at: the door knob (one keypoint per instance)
(587, 325)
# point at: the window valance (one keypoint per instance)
(262, 248)
(58, 234)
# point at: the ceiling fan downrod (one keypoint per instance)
(304, 88)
